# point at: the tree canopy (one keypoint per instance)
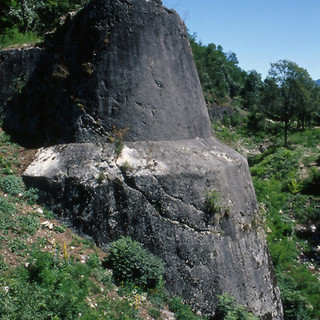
(219, 73)
(34, 15)
(289, 95)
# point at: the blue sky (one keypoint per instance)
(258, 31)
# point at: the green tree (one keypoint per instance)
(5, 18)
(287, 93)
(252, 90)
(221, 77)
(34, 15)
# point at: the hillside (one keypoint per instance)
(287, 183)
(51, 272)
(47, 271)
(61, 273)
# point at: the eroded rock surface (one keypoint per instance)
(17, 67)
(155, 192)
(115, 64)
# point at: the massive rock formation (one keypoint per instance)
(115, 64)
(128, 64)
(155, 192)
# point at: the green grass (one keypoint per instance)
(15, 38)
(275, 183)
(286, 198)
(309, 138)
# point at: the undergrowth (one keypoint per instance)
(47, 272)
(15, 38)
(286, 182)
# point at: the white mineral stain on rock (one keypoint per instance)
(47, 160)
(141, 163)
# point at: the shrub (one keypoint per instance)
(31, 196)
(104, 276)
(94, 261)
(229, 309)
(130, 262)
(14, 37)
(6, 208)
(154, 313)
(213, 202)
(181, 311)
(12, 184)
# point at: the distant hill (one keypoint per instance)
(318, 82)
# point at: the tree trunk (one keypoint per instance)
(24, 17)
(286, 126)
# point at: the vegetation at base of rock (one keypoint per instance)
(281, 110)
(132, 263)
(288, 197)
(229, 309)
(181, 310)
(11, 184)
(41, 275)
(290, 207)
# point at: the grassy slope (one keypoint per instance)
(287, 186)
(49, 272)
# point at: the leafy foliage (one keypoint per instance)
(219, 73)
(36, 15)
(299, 287)
(12, 185)
(290, 93)
(213, 202)
(130, 262)
(6, 208)
(276, 173)
(229, 309)
(47, 288)
(182, 311)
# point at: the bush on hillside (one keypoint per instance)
(132, 263)
(12, 185)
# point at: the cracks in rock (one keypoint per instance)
(129, 181)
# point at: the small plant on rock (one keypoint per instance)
(213, 202)
(117, 138)
(295, 186)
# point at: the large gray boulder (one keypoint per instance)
(121, 72)
(156, 193)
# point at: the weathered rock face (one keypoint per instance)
(115, 64)
(155, 192)
(128, 64)
(17, 67)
